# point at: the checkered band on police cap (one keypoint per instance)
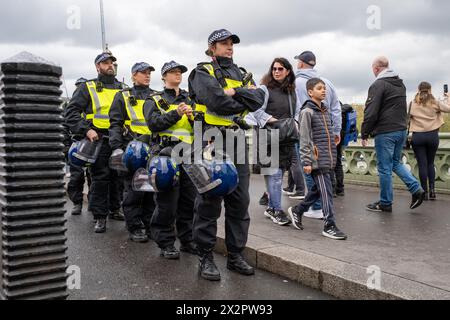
(222, 34)
(172, 65)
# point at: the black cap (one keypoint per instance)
(172, 65)
(141, 66)
(307, 57)
(103, 57)
(80, 81)
(222, 34)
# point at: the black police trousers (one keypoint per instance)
(237, 219)
(105, 188)
(174, 208)
(138, 207)
(76, 184)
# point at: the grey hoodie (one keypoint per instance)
(331, 100)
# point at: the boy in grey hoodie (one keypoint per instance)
(317, 154)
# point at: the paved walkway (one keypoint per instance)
(411, 248)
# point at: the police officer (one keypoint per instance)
(94, 98)
(217, 88)
(77, 175)
(127, 122)
(167, 114)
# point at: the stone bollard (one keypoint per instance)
(34, 258)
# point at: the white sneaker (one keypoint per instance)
(314, 214)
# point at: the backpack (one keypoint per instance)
(349, 129)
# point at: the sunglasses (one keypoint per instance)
(275, 69)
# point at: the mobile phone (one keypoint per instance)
(445, 88)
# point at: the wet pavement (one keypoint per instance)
(112, 267)
(410, 244)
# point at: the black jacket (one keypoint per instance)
(385, 107)
(205, 89)
(81, 103)
(118, 115)
(158, 121)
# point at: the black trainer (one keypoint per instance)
(378, 207)
(269, 213)
(297, 196)
(264, 201)
(237, 263)
(117, 215)
(170, 253)
(340, 193)
(417, 199)
(138, 236)
(432, 196)
(288, 191)
(333, 232)
(281, 218)
(207, 269)
(189, 247)
(77, 208)
(296, 218)
(100, 226)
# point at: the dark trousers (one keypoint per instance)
(138, 207)
(337, 175)
(237, 219)
(323, 190)
(174, 208)
(105, 188)
(76, 184)
(295, 175)
(425, 146)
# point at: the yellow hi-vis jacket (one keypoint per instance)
(101, 103)
(137, 123)
(182, 130)
(213, 118)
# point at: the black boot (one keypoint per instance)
(117, 215)
(432, 194)
(100, 225)
(170, 253)
(207, 268)
(189, 247)
(237, 263)
(76, 210)
(138, 236)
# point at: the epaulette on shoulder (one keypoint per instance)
(156, 93)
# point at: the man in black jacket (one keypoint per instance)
(94, 98)
(218, 91)
(385, 119)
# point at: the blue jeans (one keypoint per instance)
(309, 183)
(273, 185)
(388, 147)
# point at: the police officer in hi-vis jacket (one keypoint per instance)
(219, 93)
(94, 98)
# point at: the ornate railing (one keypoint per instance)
(360, 165)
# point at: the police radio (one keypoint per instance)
(248, 79)
(99, 86)
(133, 100)
(163, 104)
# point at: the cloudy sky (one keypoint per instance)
(345, 36)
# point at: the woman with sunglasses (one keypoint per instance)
(280, 103)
